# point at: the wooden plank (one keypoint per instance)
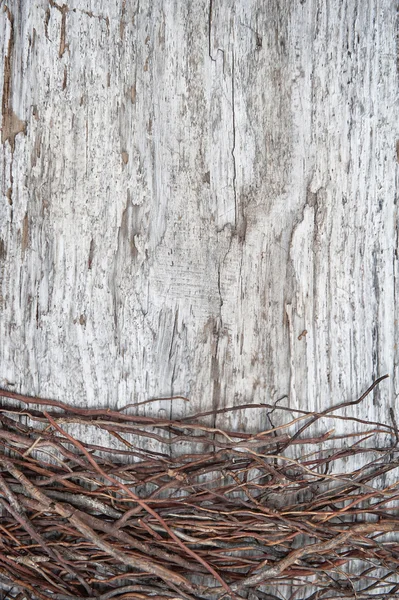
(199, 198)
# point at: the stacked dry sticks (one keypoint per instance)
(239, 516)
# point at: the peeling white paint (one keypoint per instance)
(198, 197)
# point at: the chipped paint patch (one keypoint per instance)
(12, 125)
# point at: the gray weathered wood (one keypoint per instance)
(200, 198)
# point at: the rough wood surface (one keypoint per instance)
(199, 198)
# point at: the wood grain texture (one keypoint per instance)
(200, 198)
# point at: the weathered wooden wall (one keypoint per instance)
(199, 198)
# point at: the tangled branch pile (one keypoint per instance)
(238, 517)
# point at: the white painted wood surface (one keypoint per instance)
(200, 198)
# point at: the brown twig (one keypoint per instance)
(120, 521)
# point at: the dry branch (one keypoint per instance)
(240, 516)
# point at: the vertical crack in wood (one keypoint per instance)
(46, 22)
(215, 373)
(397, 37)
(215, 366)
(210, 30)
(122, 23)
(63, 32)
(63, 10)
(11, 125)
(173, 376)
(234, 143)
(25, 234)
(375, 331)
